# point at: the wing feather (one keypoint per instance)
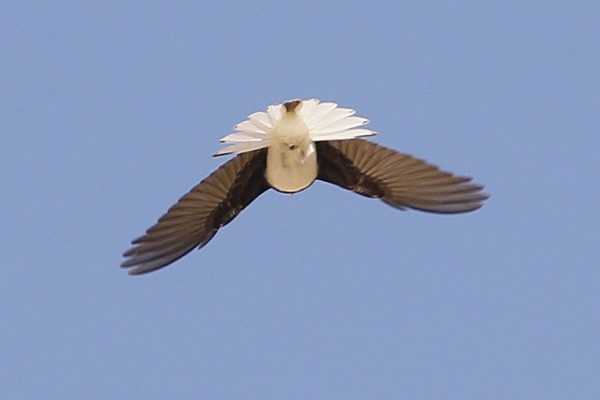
(197, 216)
(398, 179)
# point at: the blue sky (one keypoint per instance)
(110, 112)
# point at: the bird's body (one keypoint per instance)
(287, 149)
(291, 157)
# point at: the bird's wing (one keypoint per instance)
(197, 216)
(398, 179)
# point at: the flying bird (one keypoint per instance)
(287, 148)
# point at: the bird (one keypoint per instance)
(287, 148)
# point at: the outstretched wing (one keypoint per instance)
(198, 215)
(398, 179)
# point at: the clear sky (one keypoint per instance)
(110, 111)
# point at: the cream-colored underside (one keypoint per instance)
(291, 156)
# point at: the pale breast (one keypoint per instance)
(291, 168)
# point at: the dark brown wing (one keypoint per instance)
(398, 179)
(197, 216)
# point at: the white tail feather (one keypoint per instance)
(325, 121)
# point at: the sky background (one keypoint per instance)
(110, 111)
